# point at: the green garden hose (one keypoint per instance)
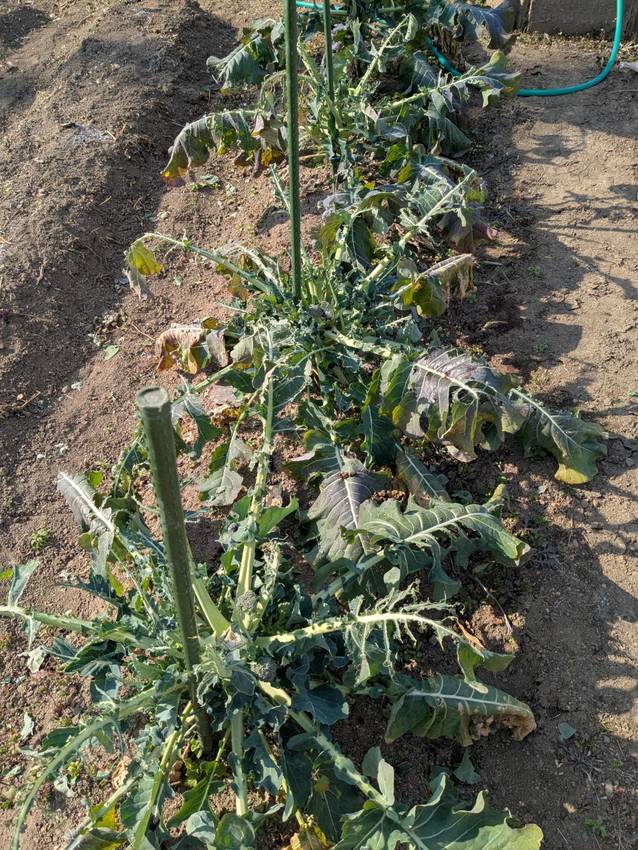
(536, 92)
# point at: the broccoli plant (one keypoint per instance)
(224, 681)
(248, 690)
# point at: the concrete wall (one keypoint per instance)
(577, 17)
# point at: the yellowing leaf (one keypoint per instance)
(310, 838)
(140, 258)
(108, 819)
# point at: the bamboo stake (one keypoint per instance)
(155, 410)
(292, 97)
(330, 81)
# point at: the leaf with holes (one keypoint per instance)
(431, 291)
(223, 482)
(221, 131)
(497, 24)
(443, 530)
(249, 62)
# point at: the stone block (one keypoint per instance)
(578, 17)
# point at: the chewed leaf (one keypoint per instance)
(416, 72)
(447, 706)
(223, 482)
(498, 24)
(464, 529)
(242, 130)
(576, 444)
(189, 406)
(140, 258)
(249, 62)
(190, 149)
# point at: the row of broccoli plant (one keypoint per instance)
(399, 194)
(346, 115)
(278, 660)
(305, 610)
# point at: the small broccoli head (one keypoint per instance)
(247, 602)
(264, 669)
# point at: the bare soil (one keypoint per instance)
(92, 92)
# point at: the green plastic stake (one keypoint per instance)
(155, 410)
(330, 81)
(292, 85)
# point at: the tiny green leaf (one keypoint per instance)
(566, 731)
(465, 771)
(110, 351)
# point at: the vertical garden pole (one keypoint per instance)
(330, 81)
(155, 410)
(292, 97)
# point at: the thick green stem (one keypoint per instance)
(359, 345)
(346, 766)
(281, 697)
(383, 266)
(213, 616)
(273, 560)
(222, 261)
(104, 808)
(166, 762)
(344, 623)
(372, 67)
(292, 98)
(237, 743)
(413, 98)
(244, 584)
(155, 409)
(245, 578)
(404, 101)
(124, 710)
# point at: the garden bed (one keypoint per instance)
(553, 303)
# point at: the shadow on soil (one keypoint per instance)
(16, 25)
(101, 193)
(572, 666)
